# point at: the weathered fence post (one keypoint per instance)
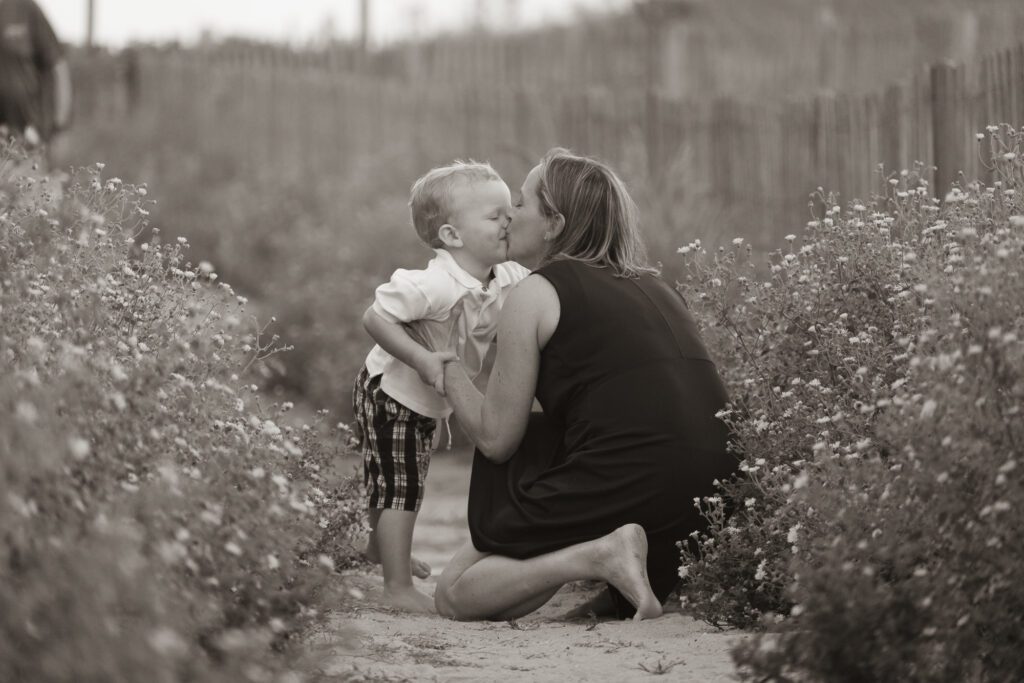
(652, 133)
(946, 133)
(892, 118)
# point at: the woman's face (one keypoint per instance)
(528, 227)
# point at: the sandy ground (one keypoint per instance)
(368, 643)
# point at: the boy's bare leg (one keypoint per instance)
(394, 543)
(419, 568)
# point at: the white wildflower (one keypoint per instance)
(166, 641)
(78, 447)
(928, 409)
(26, 412)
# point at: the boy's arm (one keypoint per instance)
(395, 339)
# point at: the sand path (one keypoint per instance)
(368, 643)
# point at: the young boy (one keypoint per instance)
(462, 211)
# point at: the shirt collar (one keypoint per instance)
(503, 276)
(446, 262)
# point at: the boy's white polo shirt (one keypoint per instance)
(441, 302)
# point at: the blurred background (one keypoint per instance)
(281, 138)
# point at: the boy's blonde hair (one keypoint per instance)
(430, 200)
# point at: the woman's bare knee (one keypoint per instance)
(448, 604)
(446, 595)
(443, 602)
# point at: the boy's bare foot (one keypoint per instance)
(624, 558)
(408, 599)
(419, 568)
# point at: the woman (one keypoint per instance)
(602, 485)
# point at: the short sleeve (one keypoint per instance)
(512, 273)
(406, 297)
(47, 50)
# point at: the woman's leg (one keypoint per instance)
(466, 557)
(476, 585)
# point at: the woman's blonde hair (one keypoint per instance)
(601, 219)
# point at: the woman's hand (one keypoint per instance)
(430, 367)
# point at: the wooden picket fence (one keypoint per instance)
(766, 157)
(688, 48)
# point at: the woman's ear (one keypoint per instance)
(449, 235)
(556, 225)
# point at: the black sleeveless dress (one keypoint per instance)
(628, 433)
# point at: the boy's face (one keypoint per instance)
(481, 218)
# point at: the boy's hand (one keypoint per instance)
(431, 368)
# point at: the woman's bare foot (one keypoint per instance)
(419, 568)
(624, 559)
(408, 599)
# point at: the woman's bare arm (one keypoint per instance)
(497, 421)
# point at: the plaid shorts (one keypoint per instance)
(395, 442)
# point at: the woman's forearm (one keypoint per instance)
(497, 421)
(466, 399)
(468, 404)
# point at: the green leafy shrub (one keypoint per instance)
(877, 378)
(159, 522)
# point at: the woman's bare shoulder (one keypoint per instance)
(532, 294)
(533, 303)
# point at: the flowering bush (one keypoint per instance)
(877, 378)
(159, 523)
(307, 246)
